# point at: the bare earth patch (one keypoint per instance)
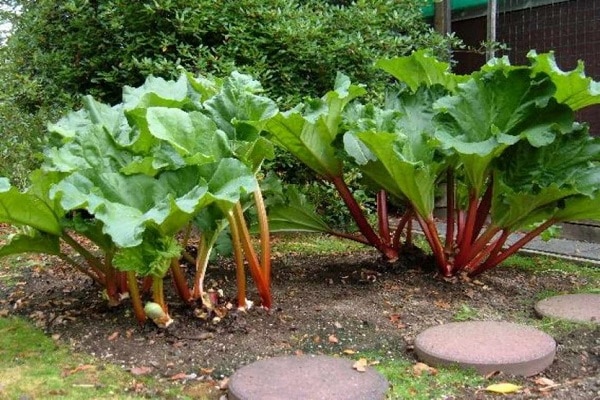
(342, 304)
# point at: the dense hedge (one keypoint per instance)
(293, 47)
(61, 49)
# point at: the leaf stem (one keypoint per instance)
(180, 282)
(136, 300)
(240, 274)
(362, 223)
(382, 217)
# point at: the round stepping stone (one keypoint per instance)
(583, 307)
(306, 377)
(487, 346)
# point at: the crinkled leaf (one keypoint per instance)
(420, 68)
(532, 182)
(407, 154)
(27, 209)
(39, 243)
(151, 258)
(238, 105)
(494, 110)
(92, 147)
(573, 88)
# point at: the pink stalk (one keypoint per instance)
(361, 221)
(382, 217)
(483, 210)
(467, 237)
(460, 225)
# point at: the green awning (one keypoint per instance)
(456, 5)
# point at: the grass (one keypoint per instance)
(33, 366)
(307, 244)
(409, 382)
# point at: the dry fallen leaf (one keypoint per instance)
(114, 335)
(349, 351)
(333, 339)
(544, 381)
(503, 388)
(206, 371)
(140, 370)
(79, 368)
(360, 365)
(420, 368)
(224, 384)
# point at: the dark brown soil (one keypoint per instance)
(330, 304)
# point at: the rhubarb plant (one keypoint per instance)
(132, 177)
(504, 142)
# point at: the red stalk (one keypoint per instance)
(460, 225)
(404, 221)
(361, 221)
(483, 210)
(450, 204)
(179, 281)
(467, 237)
(382, 217)
(90, 259)
(431, 234)
(146, 284)
(463, 258)
(512, 249)
(478, 258)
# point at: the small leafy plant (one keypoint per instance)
(134, 178)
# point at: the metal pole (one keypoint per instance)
(492, 10)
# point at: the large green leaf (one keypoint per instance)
(401, 139)
(573, 88)
(297, 215)
(533, 182)
(38, 243)
(127, 205)
(310, 136)
(494, 110)
(27, 209)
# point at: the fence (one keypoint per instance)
(570, 28)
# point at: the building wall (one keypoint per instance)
(570, 28)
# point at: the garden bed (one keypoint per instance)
(347, 304)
